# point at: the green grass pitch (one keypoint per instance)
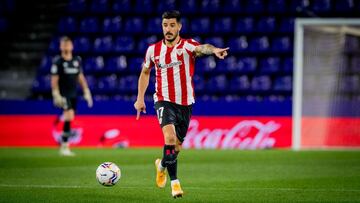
(41, 175)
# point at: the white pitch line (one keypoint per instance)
(191, 188)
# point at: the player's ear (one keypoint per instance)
(180, 26)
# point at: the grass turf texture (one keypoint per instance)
(40, 175)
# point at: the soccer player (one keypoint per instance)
(66, 72)
(173, 59)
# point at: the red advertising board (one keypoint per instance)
(322, 132)
(124, 131)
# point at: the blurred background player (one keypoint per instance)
(66, 72)
(174, 59)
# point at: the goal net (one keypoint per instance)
(326, 96)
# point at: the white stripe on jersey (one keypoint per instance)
(164, 81)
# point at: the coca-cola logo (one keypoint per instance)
(246, 134)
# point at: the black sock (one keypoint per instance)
(66, 129)
(169, 161)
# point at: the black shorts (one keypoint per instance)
(70, 103)
(171, 113)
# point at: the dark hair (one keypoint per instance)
(65, 39)
(172, 14)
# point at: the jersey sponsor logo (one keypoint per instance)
(170, 65)
(71, 70)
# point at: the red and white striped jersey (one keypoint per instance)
(174, 68)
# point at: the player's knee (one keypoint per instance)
(170, 138)
(69, 115)
(177, 148)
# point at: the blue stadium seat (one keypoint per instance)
(188, 7)
(54, 45)
(248, 64)
(154, 26)
(266, 25)
(229, 64)
(124, 44)
(259, 44)
(67, 25)
(167, 5)
(206, 64)
(343, 6)
(287, 25)
(77, 6)
(199, 83)
(245, 25)
(216, 41)
(261, 83)
(238, 44)
(42, 84)
(270, 65)
(283, 83)
(210, 6)
(255, 6)
(223, 25)
(121, 6)
(134, 25)
(144, 6)
(89, 25)
(45, 65)
(128, 83)
(99, 6)
(297, 6)
(91, 81)
(103, 44)
(200, 25)
(282, 44)
(116, 64)
(135, 64)
(145, 42)
(217, 83)
(321, 6)
(277, 6)
(107, 84)
(94, 65)
(287, 65)
(82, 45)
(232, 6)
(240, 83)
(112, 25)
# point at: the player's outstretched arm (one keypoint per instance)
(142, 86)
(57, 98)
(208, 49)
(86, 90)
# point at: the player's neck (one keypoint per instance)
(173, 43)
(67, 56)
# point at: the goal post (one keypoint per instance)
(326, 82)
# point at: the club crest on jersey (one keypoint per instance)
(75, 63)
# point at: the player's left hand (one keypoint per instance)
(221, 53)
(88, 98)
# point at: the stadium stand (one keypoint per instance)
(112, 37)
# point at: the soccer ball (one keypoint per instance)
(108, 174)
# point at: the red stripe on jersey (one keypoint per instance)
(158, 72)
(191, 62)
(170, 74)
(184, 93)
